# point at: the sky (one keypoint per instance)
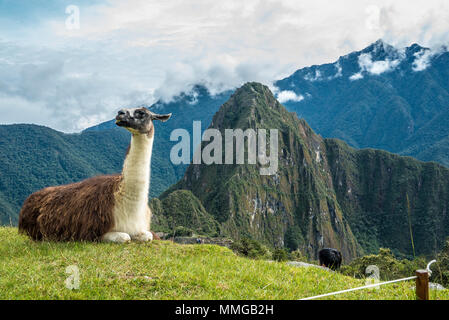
(71, 64)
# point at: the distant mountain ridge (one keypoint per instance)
(380, 97)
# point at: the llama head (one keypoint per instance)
(139, 120)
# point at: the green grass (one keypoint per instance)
(163, 270)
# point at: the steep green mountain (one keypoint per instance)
(325, 193)
(298, 199)
(381, 97)
(383, 195)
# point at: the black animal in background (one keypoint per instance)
(330, 258)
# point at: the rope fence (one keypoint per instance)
(422, 285)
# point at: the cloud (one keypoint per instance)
(356, 76)
(58, 92)
(422, 60)
(367, 64)
(314, 77)
(288, 95)
(339, 72)
(137, 51)
(424, 57)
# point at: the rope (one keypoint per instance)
(428, 267)
(359, 288)
(371, 285)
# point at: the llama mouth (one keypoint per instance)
(121, 123)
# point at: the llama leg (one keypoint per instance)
(143, 236)
(118, 237)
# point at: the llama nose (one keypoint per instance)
(121, 115)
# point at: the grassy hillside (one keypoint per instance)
(163, 270)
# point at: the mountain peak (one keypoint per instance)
(246, 202)
(250, 104)
(252, 87)
(255, 94)
(381, 50)
(416, 47)
(251, 94)
(381, 43)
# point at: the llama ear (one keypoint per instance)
(161, 117)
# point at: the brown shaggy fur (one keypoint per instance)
(78, 211)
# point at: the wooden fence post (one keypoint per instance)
(422, 285)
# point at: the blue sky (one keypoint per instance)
(129, 52)
(19, 17)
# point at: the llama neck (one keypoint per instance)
(136, 169)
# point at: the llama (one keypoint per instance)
(330, 258)
(110, 208)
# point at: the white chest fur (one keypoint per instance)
(131, 201)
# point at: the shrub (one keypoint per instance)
(280, 254)
(297, 255)
(390, 268)
(180, 231)
(250, 248)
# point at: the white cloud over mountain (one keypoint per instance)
(136, 51)
(288, 95)
(424, 57)
(376, 67)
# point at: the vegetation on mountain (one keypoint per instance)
(300, 194)
(181, 211)
(325, 193)
(376, 190)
